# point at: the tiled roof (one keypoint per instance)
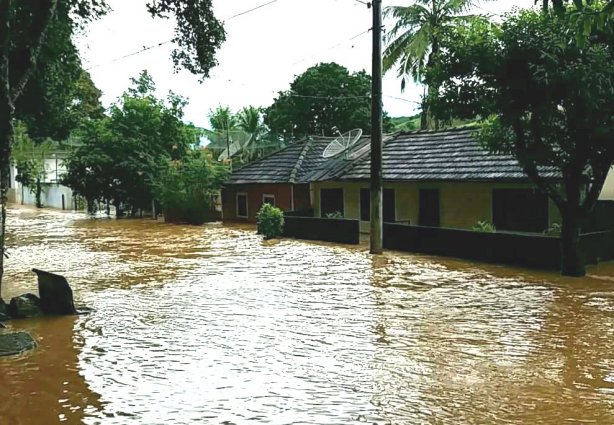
(451, 154)
(288, 165)
(441, 155)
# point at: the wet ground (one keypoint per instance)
(212, 325)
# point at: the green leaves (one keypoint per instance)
(270, 221)
(123, 155)
(198, 33)
(324, 96)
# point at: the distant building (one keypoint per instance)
(54, 194)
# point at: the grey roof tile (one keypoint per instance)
(427, 155)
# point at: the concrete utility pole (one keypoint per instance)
(376, 133)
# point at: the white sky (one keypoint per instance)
(263, 52)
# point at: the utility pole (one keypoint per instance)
(376, 132)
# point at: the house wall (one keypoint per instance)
(462, 205)
(255, 192)
(51, 196)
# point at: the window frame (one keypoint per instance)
(268, 195)
(342, 200)
(246, 205)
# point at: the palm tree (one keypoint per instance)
(414, 42)
(250, 120)
(222, 119)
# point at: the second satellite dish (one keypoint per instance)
(342, 143)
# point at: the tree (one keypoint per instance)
(323, 97)
(550, 103)
(123, 155)
(251, 120)
(27, 29)
(414, 42)
(29, 158)
(187, 187)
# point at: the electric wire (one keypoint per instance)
(153, 46)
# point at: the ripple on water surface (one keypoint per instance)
(211, 325)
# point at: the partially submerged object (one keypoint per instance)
(16, 343)
(56, 296)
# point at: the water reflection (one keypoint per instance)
(211, 325)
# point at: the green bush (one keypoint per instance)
(270, 221)
(484, 226)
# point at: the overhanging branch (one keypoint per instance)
(34, 52)
(530, 167)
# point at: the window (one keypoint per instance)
(268, 199)
(523, 210)
(331, 201)
(428, 213)
(388, 207)
(365, 204)
(242, 205)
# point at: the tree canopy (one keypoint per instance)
(323, 97)
(37, 32)
(549, 102)
(123, 155)
(416, 38)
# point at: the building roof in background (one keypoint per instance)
(289, 165)
(452, 155)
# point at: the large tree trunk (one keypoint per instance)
(6, 134)
(572, 262)
(6, 124)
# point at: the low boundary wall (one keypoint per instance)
(339, 230)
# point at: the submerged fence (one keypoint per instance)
(322, 229)
(520, 249)
(529, 250)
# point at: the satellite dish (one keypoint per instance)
(358, 150)
(342, 143)
(232, 144)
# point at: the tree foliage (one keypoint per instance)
(416, 38)
(246, 128)
(323, 97)
(550, 101)
(29, 159)
(27, 33)
(270, 221)
(198, 33)
(124, 154)
(187, 188)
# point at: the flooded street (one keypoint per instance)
(211, 325)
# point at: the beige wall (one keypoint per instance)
(607, 194)
(462, 205)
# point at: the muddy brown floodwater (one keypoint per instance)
(211, 325)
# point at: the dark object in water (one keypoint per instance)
(15, 343)
(55, 293)
(25, 306)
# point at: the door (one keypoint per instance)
(389, 205)
(428, 214)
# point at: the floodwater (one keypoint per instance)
(210, 325)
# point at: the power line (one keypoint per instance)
(333, 46)
(153, 46)
(251, 10)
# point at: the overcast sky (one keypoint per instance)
(264, 51)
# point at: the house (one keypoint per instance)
(276, 179)
(54, 194)
(438, 178)
(441, 179)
